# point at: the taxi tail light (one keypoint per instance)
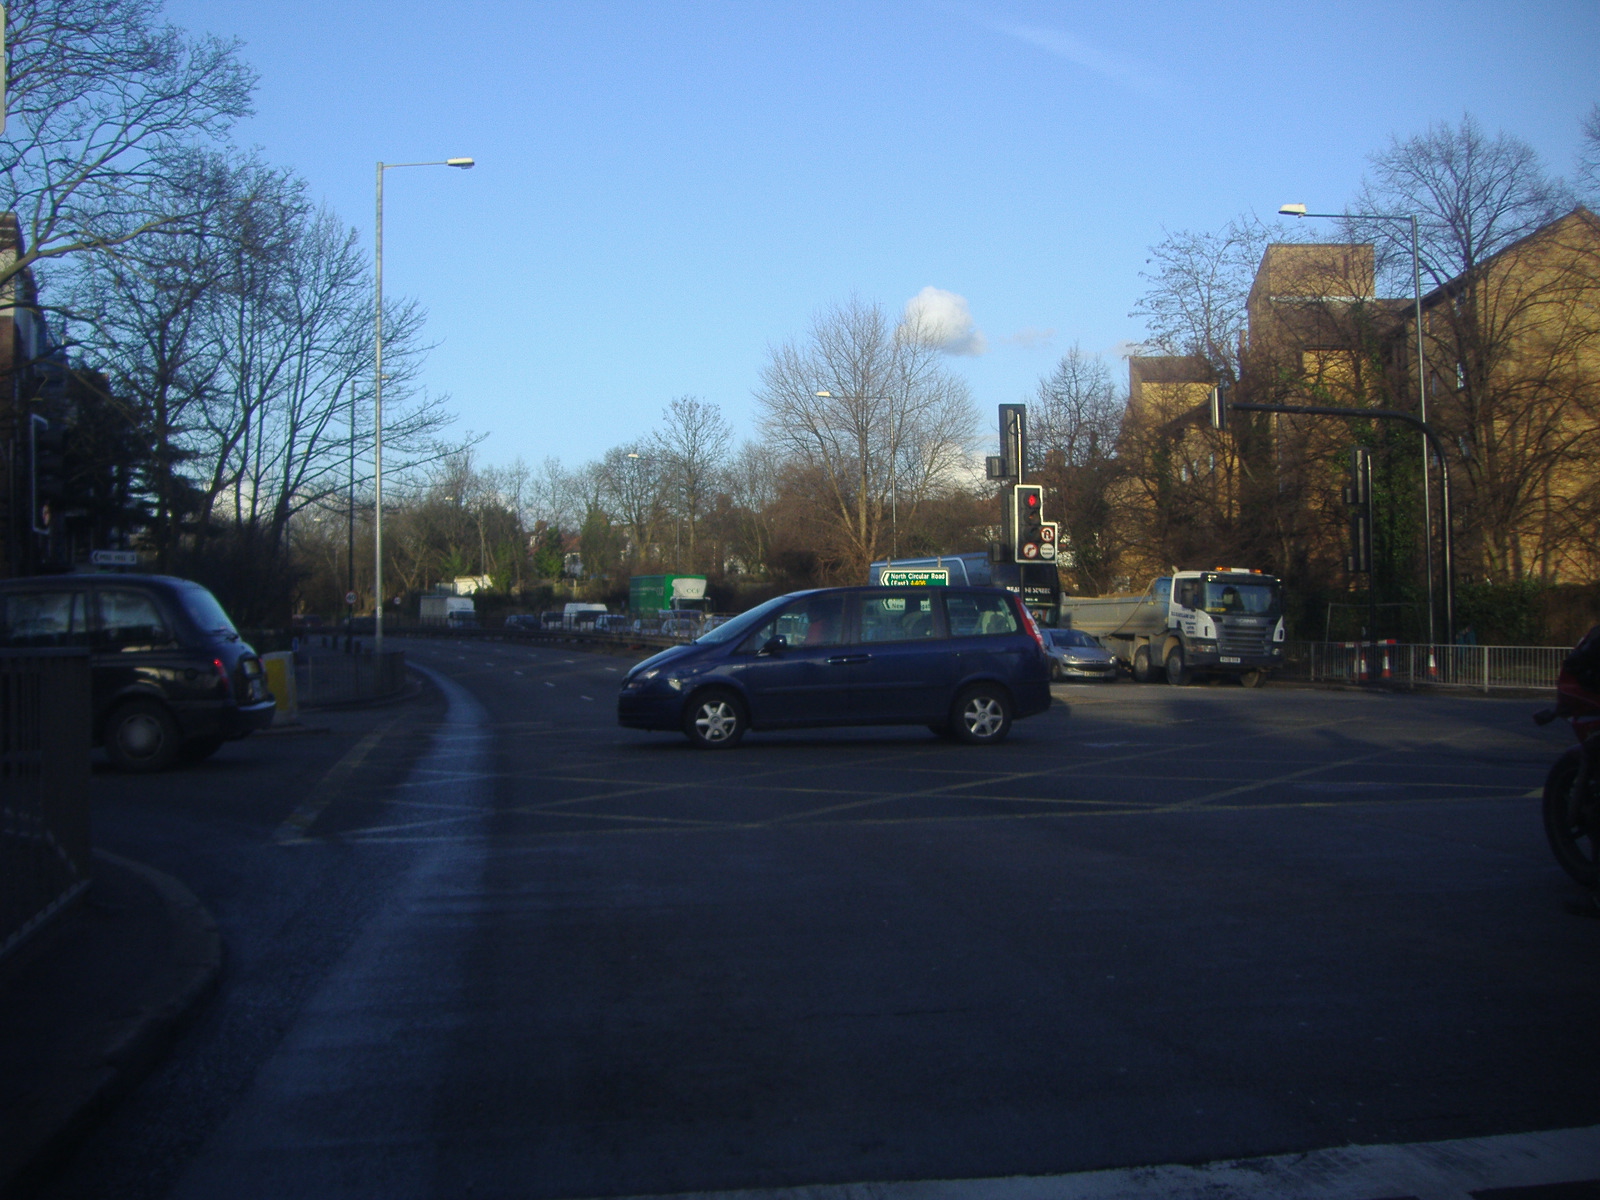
(222, 675)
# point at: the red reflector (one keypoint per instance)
(222, 675)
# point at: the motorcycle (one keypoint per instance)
(1572, 788)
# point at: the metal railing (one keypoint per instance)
(1482, 668)
(335, 678)
(44, 788)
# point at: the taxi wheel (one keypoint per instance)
(141, 735)
(715, 720)
(982, 715)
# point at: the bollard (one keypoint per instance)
(281, 681)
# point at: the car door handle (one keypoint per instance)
(849, 658)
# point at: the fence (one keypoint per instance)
(44, 788)
(1405, 665)
(333, 678)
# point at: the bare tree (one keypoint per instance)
(1472, 196)
(868, 412)
(692, 446)
(752, 478)
(635, 489)
(1198, 288)
(1073, 430)
(1588, 163)
(1508, 330)
(101, 97)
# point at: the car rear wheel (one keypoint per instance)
(715, 720)
(142, 735)
(982, 715)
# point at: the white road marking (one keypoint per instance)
(1452, 1170)
(547, 683)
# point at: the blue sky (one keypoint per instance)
(664, 189)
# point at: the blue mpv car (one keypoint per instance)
(965, 662)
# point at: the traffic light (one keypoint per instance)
(46, 468)
(1027, 522)
(1358, 495)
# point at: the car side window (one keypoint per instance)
(906, 617)
(814, 621)
(129, 621)
(980, 616)
(44, 620)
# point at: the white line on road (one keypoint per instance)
(1451, 1170)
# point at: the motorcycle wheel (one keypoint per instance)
(1572, 822)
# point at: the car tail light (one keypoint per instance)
(222, 676)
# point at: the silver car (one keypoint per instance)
(1076, 655)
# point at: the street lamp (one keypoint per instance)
(1299, 210)
(894, 472)
(377, 400)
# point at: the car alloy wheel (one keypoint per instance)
(982, 716)
(715, 721)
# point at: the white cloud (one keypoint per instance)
(941, 318)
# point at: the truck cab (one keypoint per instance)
(1226, 621)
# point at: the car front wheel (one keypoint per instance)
(982, 715)
(715, 720)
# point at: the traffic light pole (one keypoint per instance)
(1446, 539)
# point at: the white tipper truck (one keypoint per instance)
(1226, 621)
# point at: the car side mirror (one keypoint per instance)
(772, 646)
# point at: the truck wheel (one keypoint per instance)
(1177, 673)
(1141, 665)
(1253, 678)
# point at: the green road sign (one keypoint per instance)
(915, 578)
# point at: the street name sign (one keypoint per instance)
(909, 578)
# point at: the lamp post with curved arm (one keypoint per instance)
(1299, 210)
(377, 399)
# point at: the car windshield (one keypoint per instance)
(1072, 637)
(204, 610)
(736, 627)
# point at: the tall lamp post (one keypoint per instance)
(1299, 210)
(377, 402)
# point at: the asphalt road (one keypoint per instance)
(487, 943)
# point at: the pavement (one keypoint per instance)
(90, 1004)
